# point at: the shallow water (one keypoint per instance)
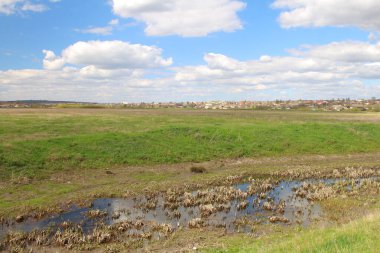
(297, 210)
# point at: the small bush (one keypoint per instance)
(198, 169)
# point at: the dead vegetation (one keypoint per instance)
(203, 206)
(95, 214)
(197, 169)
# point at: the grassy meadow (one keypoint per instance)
(37, 143)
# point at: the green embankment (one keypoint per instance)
(36, 145)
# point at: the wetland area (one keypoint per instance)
(237, 206)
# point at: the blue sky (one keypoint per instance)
(201, 52)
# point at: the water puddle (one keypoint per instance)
(229, 207)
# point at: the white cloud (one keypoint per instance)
(108, 55)
(219, 61)
(348, 51)
(114, 22)
(51, 61)
(374, 36)
(182, 17)
(92, 72)
(85, 84)
(106, 30)
(276, 71)
(9, 7)
(33, 7)
(328, 71)
(316, 13)
(119, 71)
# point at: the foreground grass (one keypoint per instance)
(38, 143)
(358, 236)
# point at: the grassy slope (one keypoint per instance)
(37, 144)
(358, 236)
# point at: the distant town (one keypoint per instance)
(337, 105)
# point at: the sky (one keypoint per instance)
(181, 50)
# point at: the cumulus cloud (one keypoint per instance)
(274, 72)
(51, 61)
(82, 84)
(182, 17)
(119, 71)
(347, 51)
(327, 71)
(317, 13)
(9, 7)
(219, 61)
(108, 55)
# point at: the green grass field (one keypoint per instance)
(36, 144)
